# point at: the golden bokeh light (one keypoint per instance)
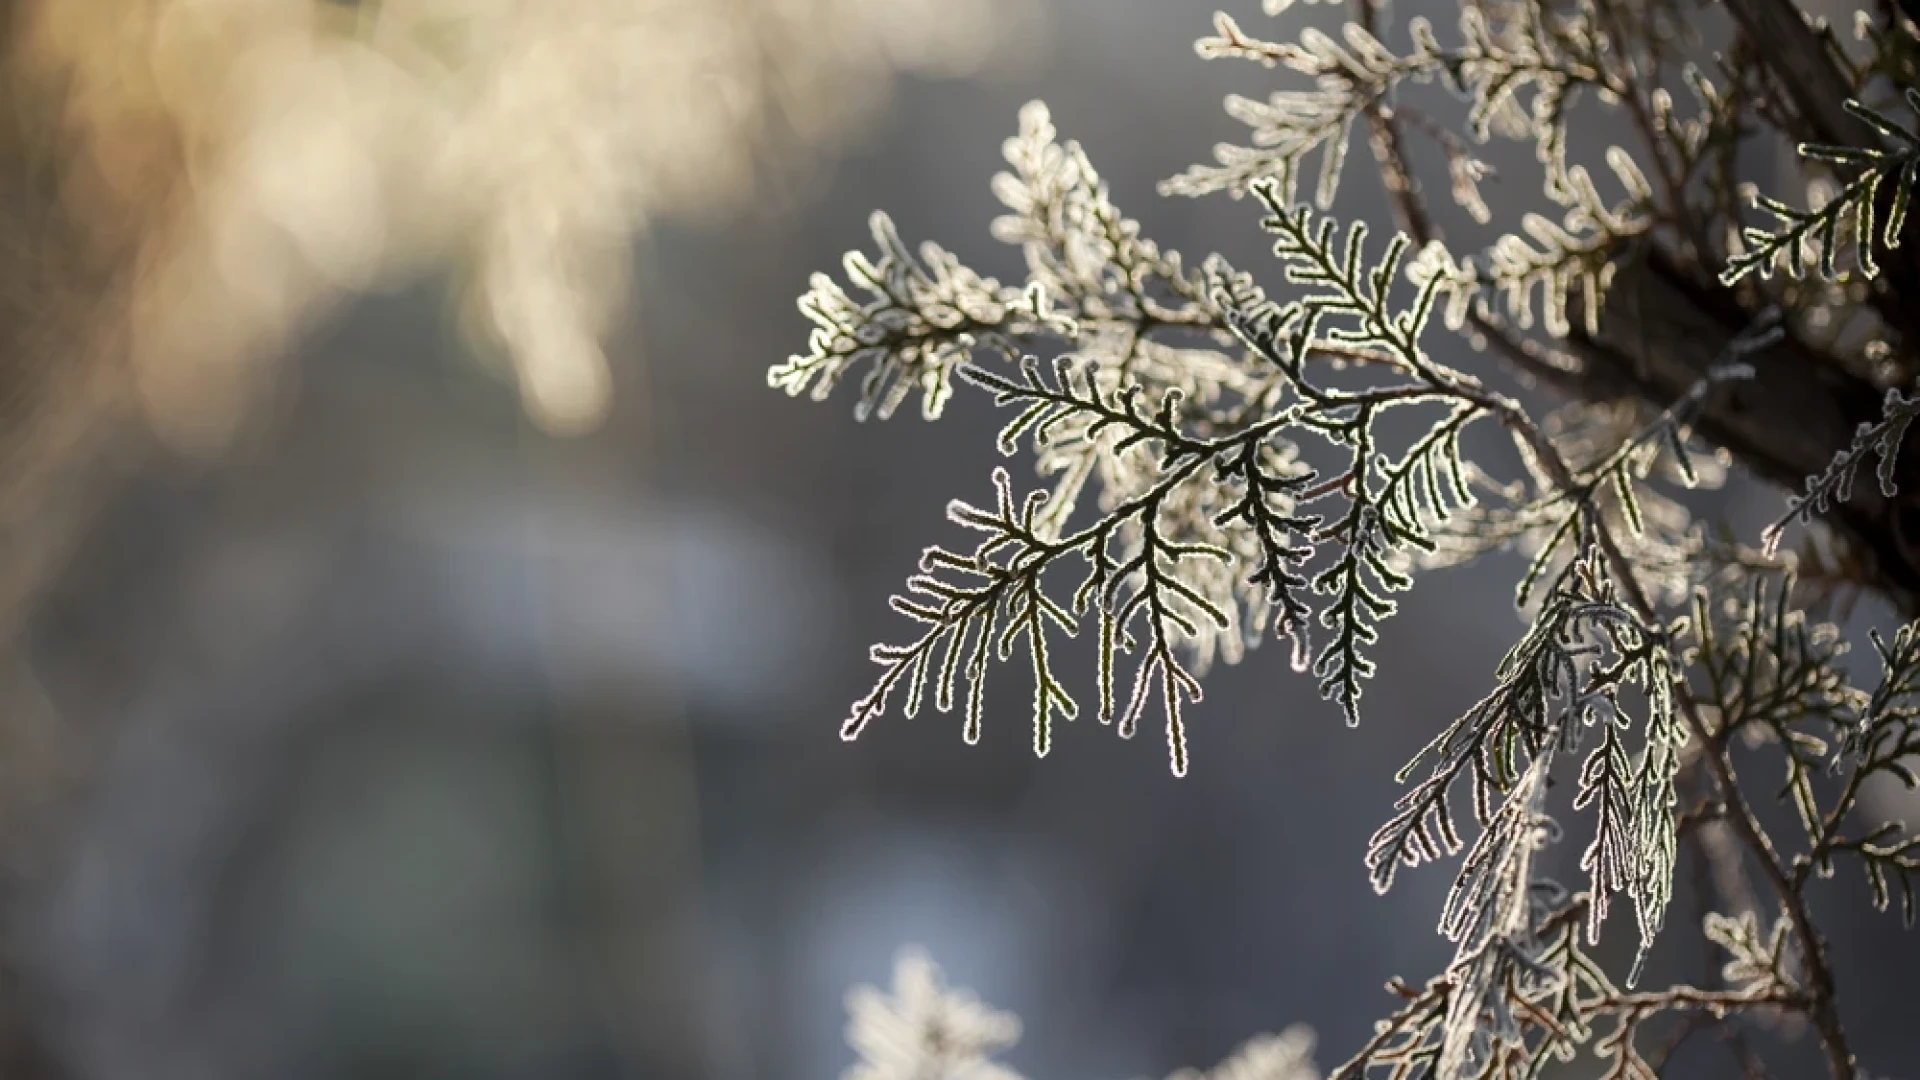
(256, 161)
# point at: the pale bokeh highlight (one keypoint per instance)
(255, 161)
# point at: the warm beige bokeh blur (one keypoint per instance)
(187, 186)
(271, 156)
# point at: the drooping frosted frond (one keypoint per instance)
(1203, 534)
(1391, 504)
(1135, 582)
(1542, 681)
(1489, 915)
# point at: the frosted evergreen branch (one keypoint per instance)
(1799, 237)
(1508, 728)
(1772, 669)
(1346, 286)
(1075, 409)
(1883, 740)
(961, 600)
(921, 320)
(1349, 303)
(1183, 400)
(1755, 961)
(1491, 915)
(1487, 744)
(1287, 336)
(1891, 859)
(1553, 997)
(1491, 68)
(1265, 507)
(1605, 786)
(1133, 583)
(1357, 583)
(1834, 487)
(1291, 126)
(1428, 485)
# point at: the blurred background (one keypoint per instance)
(426, 635)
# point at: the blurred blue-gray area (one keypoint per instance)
(436, 747)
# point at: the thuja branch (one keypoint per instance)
(1568, 486)
(1737, 811)
(1732, 803)
(1175, 413)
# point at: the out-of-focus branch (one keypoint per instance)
(1801, 69)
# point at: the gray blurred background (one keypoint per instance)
(436, 747)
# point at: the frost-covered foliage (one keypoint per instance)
(1216, 472)
(1814, 237)
(923, 1030)
(1833, 486)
